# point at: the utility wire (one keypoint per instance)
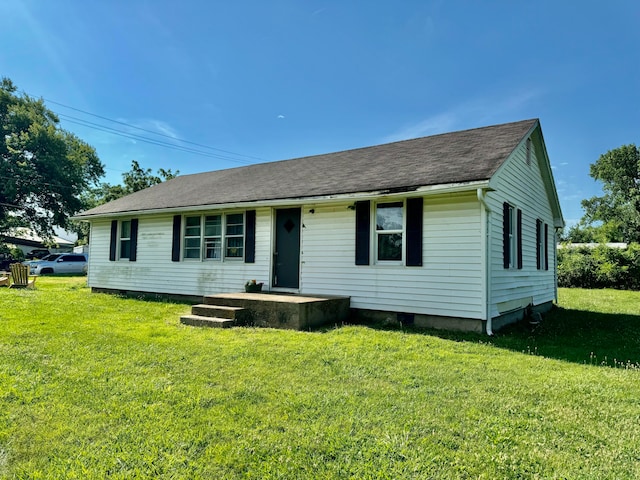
(208, 147)
(151, 131)
(122, 133)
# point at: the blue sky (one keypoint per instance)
(270, 80)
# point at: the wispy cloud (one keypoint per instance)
(473, 113)
(52, 47)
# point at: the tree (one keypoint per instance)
(583, 233)
(135, 179)
(619, 208)
(43, 169)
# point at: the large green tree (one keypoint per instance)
(44, 169)
(137, 178)
(618, 209)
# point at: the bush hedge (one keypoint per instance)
(599, 267)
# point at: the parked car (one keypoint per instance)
(63, 263)
(51, 257)
(37, 254)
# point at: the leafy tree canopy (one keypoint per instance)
(44, 169)
(135, 179)
(618, 210)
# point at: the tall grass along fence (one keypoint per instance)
(599, 267)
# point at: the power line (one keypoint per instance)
(151, 131)
(121, 133)
(147, 140)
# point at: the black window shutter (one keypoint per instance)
(113, 243)
(519, 238)
(363, 235)
(133, 254)
(546, 246)
(506, 245)
(538, 239)
(250, 246)
(175, 246)
(414, 232)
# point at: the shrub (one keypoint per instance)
(600, 267)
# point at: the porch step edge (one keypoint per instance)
(200, 321)
(209, 310)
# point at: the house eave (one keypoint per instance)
(413, 191)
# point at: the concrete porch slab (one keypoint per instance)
(297, 312)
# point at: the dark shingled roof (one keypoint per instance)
(458, 157)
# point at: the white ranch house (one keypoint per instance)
(453, 231)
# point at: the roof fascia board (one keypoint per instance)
(426, 190)
(535, 133)
(547, 177)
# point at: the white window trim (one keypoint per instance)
(226, 236)
(541, 245)
(513, 237)
(376, 233)
(223, 237)
(119, 256)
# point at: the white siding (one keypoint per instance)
(449, 283)
(522, 186)
(155, 272)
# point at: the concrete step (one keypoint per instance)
(200, 321)
(219, 311)
(227, 302)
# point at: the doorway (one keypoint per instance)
(286, 255)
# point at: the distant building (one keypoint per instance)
(26, 240)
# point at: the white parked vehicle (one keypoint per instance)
(62, 263)
(51, 257)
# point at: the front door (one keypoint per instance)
(286, 257)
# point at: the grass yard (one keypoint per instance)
(96, 386)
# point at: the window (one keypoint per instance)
(125, 239)
(395, 238)
(235, 236)
(123, 244)
(542, 260)
(528, 159)
(203, 236)
(213, 237)
(192, 237)
(389, 231)
(512, 236)
(73, 258)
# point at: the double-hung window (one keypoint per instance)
(192, 237)
(542, 232)
(125, 239)
(512, 236)
(234, 236)
(205, 236)
(213, 237)
(389, 231)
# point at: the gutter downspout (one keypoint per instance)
(487, 258)
(555, 264)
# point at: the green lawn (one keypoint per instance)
(96, 386)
